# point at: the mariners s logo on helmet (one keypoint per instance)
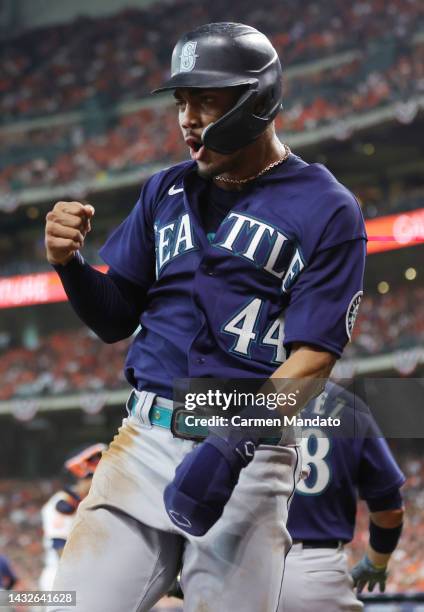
(188, 56)
(352, 312)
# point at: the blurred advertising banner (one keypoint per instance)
(395, 231)
(30, 289)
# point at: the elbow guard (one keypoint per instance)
(384, 540)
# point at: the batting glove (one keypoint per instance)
(365, 572)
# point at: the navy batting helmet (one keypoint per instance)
(228, 55)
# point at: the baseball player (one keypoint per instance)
(58, 513)
(244, 261)
(322, 514)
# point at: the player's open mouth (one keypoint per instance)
(196, 148)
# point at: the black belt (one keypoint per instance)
(319, 543)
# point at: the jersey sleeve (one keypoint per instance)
(379, 473)
(130, 249)
(325, 300)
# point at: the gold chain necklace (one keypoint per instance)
(252, 178)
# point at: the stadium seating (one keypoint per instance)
(124, 56)
(129, 55)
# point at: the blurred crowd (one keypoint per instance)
(64, 362)
(92, 65)
(125, 56)
(77, 361)
(407, 565)
(389, 322)
(104, 146)
(21, 534)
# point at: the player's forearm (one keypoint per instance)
(98, 301)
(304, 373)
(306, 361)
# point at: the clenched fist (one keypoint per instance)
(66, 228)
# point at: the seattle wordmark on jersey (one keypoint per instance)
(282, 267)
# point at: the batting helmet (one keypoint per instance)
(83, 461)
(228, 55)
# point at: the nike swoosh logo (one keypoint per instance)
(173, 191)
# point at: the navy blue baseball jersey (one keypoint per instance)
(285, 264)
(341, 467)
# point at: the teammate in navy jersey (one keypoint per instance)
(245, 261)
(343, 462)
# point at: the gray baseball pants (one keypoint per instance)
(123, 552)
(317, 579)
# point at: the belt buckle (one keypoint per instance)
(177, 425)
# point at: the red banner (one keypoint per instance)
(395, 231)
(32, 289)
(384, 234)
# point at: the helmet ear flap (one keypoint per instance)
(224, 136)
(269, 101)
(260, 106)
